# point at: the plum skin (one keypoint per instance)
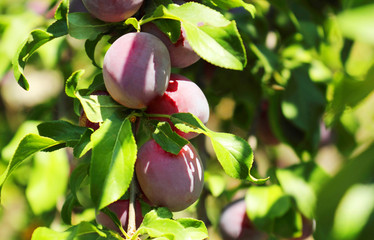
(234, 223)
(182, 95)
(136, 69)
(168, 180)
(112, 10)
(121, 209)
(181, 53)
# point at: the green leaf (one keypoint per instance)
(349, 92)
(289, 225)
(215, 182)
(151, 6)
(90, 46)
(76, 178)
(268, 59)
(36, 39)
(97, 83)
(303, 181)
(62, 131)
(169, 140)
(170, 27)
(29, 145)
(134, 22)
(266, 203)
(113, 216)
(220, 46)
(356, 171)
(67, 208)
(195, 14)
(84, 144)
(358, 204)
(226, 5)
(80, 231)
(48, 180)
(233, 152)
(193, 228)
(113, 157)
(99, 107)
(187, 122)
(84, 26)
(357, 23)
(305, 113)
(209, 33)
(157, 224)
(235, 155)
(71, 85)
(43, 233)
(62, 10)
(26, 128)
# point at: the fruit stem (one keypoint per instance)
(157, 115)
(131, 229)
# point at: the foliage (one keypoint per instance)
(303, 69)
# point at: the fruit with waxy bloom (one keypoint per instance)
(168, 180)
(181, 53)
(181, 96)
(136, 69)
(112, 10)
(234, 223)
(121, 209)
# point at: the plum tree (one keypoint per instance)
(136, 69)
(182, 95)
(121, 209)
(234, 223)
(168, 180)
(112, 10)
(181, 53)
(83, 120)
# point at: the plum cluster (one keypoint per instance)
(137, 74)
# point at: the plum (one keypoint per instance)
(120, 208)
(168, 180)
(234, 223)
(76, 6)
(182, 95)
(112, 10)
(181, 53)
(136, 69)
(83, 120)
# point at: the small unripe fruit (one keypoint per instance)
(168, 180)
(181, 53)
(136, 69)
(112, 10)
(182, 95)
(121, 209)
(234, 223)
